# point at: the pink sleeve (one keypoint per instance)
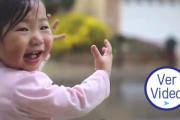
(35, 96)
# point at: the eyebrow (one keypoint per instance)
(40, 19)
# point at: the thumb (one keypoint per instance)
(95, 52)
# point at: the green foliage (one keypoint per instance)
(81, 32)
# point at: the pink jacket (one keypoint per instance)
(32, 96)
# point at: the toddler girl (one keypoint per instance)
(25, 92)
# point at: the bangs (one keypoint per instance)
(13, 12)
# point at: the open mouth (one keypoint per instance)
(32, 56)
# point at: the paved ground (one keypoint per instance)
(117, 106)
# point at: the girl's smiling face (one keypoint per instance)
(29, 42)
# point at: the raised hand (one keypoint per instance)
(103, 62)
(55, 37)
(53, 27)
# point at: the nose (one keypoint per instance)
(36, 39)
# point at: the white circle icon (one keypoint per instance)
(162, 88)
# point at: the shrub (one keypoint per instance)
(81, 32)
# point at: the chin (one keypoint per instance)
(33, 69)
(30, 68)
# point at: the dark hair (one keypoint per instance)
(12, 12)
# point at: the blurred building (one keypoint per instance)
(120, 15)
(105, 10)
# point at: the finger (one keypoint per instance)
(49, 16)
(55, 24)
(108, 47)
(95, 52)
(57, 37)
(103, 49)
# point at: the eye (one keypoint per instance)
(44, 27)
(22, 29)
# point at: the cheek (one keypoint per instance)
(48, 41)
(14, 55)
(15, 48)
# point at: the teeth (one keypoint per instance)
(35, 53)
(33, 56)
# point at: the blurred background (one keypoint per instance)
(144, 35)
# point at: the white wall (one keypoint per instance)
(152, 21)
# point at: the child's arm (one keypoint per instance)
(35, 96)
